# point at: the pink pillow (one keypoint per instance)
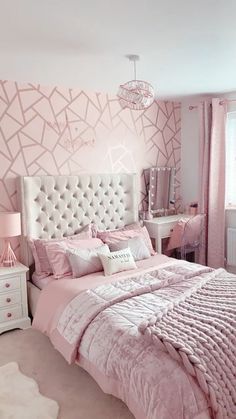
(133, 226)
(58, 258)
(128, 232)
(42, 264)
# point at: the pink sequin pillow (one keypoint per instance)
(58, 257)
(128, 232)
(42, 264)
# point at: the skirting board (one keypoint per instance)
(231, 269)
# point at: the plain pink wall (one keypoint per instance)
(55, 130)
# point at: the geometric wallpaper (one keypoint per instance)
(56, 130)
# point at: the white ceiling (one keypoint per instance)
(187, 47)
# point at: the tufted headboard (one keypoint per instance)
(57, 206)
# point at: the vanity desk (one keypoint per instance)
(160, 228)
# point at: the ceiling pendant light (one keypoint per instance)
(135, 94)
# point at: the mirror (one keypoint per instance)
(160, 188)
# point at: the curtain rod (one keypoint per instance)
(222, 102)
(226, 100)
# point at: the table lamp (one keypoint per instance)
(10, 226)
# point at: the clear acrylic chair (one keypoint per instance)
(192, 237)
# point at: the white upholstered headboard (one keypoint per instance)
(57, 206)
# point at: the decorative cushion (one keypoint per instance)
(119, 261)
(134, 230)
(58, 258)
(132, 226)
(137, 246)
(42, 264)
(86, 261)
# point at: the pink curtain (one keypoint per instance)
(212, 181)
(205, 115)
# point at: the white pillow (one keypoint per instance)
(137, 246)
(119, 261)
(86, 261)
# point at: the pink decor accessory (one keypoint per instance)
(42, 264)
(128, 232)
(135, 94)
(58, 258)
(10, 226)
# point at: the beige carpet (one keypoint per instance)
(77, 394)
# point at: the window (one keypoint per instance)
(230, 191)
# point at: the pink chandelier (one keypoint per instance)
(135, 94)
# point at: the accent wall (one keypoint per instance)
(56, 130)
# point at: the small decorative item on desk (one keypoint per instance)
(149, 215)
(172, 210)
(193, 208)
(145, 215)
(10, 226)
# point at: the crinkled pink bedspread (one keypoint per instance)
(124, 363)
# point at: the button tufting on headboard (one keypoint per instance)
(56, 206)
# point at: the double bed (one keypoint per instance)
(109, 325)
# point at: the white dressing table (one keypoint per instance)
(160, 228)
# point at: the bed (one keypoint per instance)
(118, 343)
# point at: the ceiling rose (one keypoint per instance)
(135, 94)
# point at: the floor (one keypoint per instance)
(78, 395)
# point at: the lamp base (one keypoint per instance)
(8, 258)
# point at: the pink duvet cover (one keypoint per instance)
(114, 352)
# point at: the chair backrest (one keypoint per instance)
(193, 230)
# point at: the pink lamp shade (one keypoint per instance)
(10, 226)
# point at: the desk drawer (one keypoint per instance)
(165, 230)
(10, 298)
(10, 283)
(11, 313)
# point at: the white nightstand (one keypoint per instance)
(13, 298)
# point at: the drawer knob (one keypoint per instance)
(8, 300)
(7, 285)
(9, 314)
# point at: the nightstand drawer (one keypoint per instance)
(10, 298)
(10, 283)
(11, 313)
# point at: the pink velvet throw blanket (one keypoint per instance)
(85, 307)
(199, 331)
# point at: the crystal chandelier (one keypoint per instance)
(135, 94)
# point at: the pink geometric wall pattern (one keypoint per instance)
(54, 130)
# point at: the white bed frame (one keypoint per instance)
(58, 206)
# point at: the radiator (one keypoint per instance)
(231, 246)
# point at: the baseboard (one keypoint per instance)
(231, 269)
